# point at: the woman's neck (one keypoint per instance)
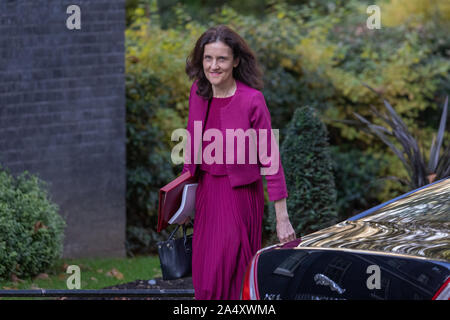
(226, 90)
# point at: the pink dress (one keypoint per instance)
(227, 226)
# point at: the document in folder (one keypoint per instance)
(187, 207)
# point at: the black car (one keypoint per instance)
(397, 250)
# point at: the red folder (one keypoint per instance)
(170, 198)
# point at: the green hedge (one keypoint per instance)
(356, 179)
(147, 165)
(308, 169)
(31, 230)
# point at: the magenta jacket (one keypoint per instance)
(247, 109)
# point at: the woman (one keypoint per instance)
(230, 196)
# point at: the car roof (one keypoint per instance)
(443, 182)
(415, 224)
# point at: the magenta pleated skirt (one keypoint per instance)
(227, 233)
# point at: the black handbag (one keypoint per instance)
(175, 255)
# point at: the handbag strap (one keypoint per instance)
(203, 127)
(172, 234)
(206, 118)
(184, 235)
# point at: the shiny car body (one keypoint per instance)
(397, 250)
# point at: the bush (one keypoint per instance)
(307, 164)
(31, 230)
(355, 175)
(147, 165)
(411, 153)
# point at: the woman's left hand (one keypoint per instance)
(285, 232)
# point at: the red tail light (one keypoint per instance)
(245, 292)
(250, 285)
(444, 292)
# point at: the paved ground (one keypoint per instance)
(158, 283)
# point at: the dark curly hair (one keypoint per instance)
(247, 70)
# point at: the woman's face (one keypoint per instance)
(218, 63)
